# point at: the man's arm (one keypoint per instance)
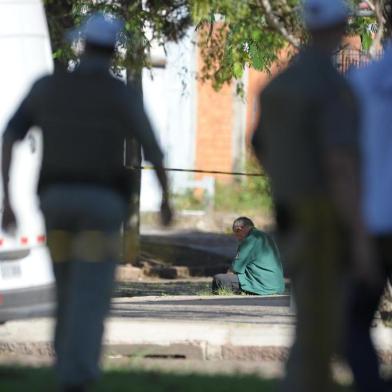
(166, 211)
(8, 218)
(16, 130)
(244, 255)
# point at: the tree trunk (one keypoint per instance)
(133, 158)
(60, 19)
(131, 228)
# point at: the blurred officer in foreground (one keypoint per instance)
(84, 188)
(373, 85)
(304, 140)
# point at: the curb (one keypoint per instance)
(185, 340)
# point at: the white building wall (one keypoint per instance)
(170, 99)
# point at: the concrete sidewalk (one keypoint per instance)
(228, 328)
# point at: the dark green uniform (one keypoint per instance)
(258, 266)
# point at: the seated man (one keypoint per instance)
(257, 267)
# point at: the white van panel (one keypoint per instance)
(23, 184)
(24, 41)
(26, 55)
(30, 271)
(25, 48)
(22, 17)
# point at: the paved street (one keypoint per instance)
(223, 309)
(191, 327)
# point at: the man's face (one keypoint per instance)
(240, 232)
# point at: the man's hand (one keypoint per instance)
(166, 213)
(8, 222)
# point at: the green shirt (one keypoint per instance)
(258, 265)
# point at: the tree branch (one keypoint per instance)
(277, 25)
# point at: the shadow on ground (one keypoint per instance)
(200, 286)
(159, 288)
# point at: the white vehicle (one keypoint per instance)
(26, 279)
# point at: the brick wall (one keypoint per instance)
(214, 119)
(256, 82)
(214, 123)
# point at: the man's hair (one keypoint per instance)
(243, 221)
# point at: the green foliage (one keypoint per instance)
(248, 196)
(188, 201)
(60, 16)
(257, 185)
(360, 26)
(237, 198)
(151, 20)
(231, 34)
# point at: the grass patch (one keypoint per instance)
(238, 197)
(205, 292)
(226, 292)
(22, 379)
(163, 382)
(14, 379)
(188, 201)
(250, 195)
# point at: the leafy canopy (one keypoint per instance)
(231, 34)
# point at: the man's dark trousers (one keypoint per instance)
(227, 282)
(83, 225)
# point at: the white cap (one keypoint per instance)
(99, 28)
(320, 14)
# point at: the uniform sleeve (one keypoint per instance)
(22, 120)
(140, 127)
(245, 255)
